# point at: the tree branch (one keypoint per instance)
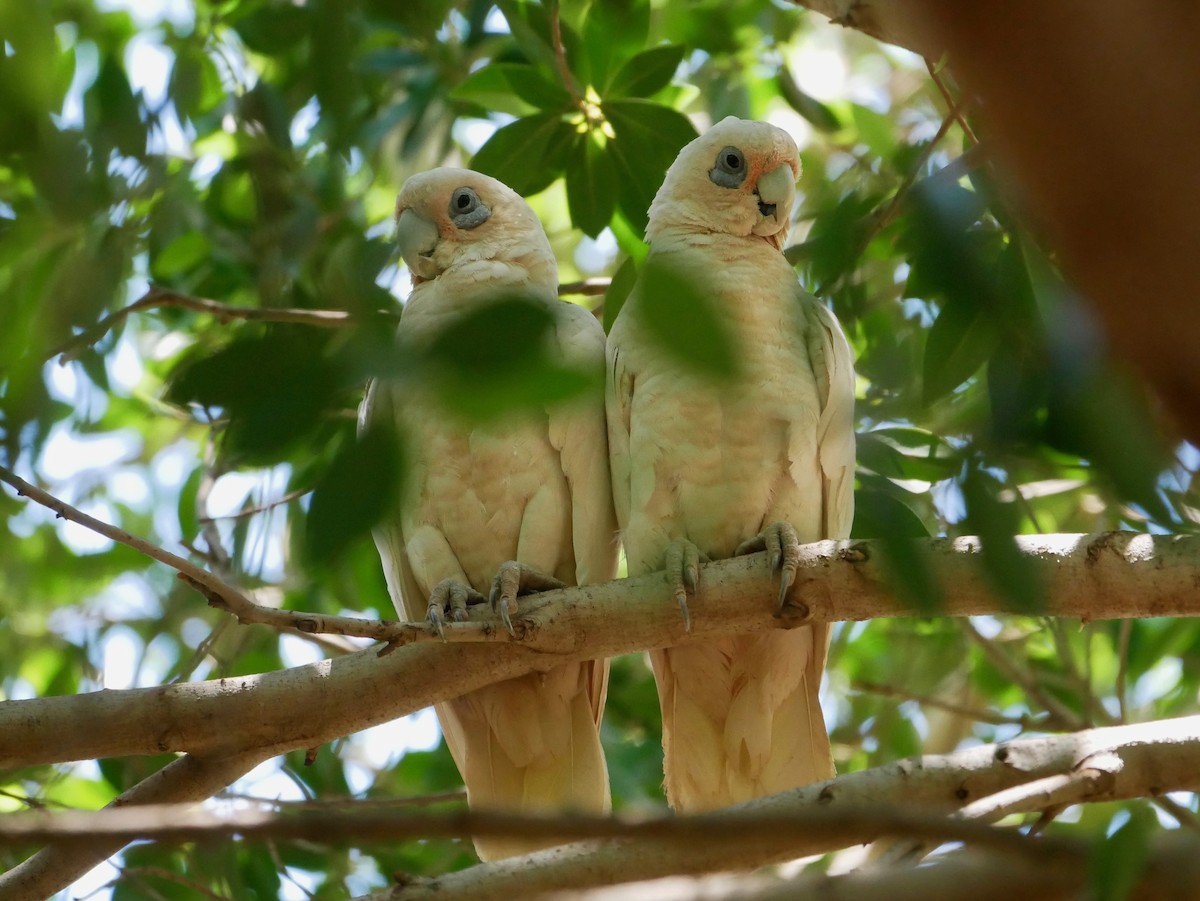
(1112, 574)
(560, 58)
(890, 21)
(186, 779)
(1152, 757)
(975, 714)
(914, 798)
(1050, 873)
(1061, 716)
(589, 287)
(180, 823)
(158, 298)
(223, 596)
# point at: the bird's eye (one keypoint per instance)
(466, 209)
(730, 170)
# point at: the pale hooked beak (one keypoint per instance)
(775, 191)
(418, 239)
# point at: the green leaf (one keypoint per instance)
(930, 460)
(113, 114)
(181, 255)
(530, 27)
(1011, 573)
(332, 38)
(1106, 416)
(274, 28)
(1018, 386)
(821, 116)
(1119, 860)
(837, 237)
(189, 522)
(878, 456)
(360, 487)
(646, 73)
(492, 335)
(961, 340)
(648, 137)
(613, 30)
(512, 88)
(591, 186)
(26, 73)
(876, 130)
(529, 154)
(960, 264)
(879, 512)
(499, 357)
(416, 18)
(275, 388)
(622, 283)
(679, 313)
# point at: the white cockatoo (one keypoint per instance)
(703, 469)
(528, 498)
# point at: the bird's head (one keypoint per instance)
(448, 218)
(738, 178)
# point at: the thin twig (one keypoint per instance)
(890, 211)
(161, 298)
(139, 875)
(883, 218)
(1049, 795)
(1074, 676)
(450, 795)
(178, 823)
(230, 599)
(1059, 715)
(560, 56)
(260, 508)
(590, 287)
(1123, 636)
(981, 716)
(158, 298)
(957, 109)
(1093, 777)
(393, 634)
(64, 510)
(1183, 815)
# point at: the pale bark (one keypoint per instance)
(890, 21)
(1140, 760)
(1172, 873)
(1087, 576)
(185, 779)
(934, 797)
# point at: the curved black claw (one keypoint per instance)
(453, 596)
(782, 545)
(683, 567)
(512, 580)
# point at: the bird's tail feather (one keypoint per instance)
(566, 770)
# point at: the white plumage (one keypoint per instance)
(710, 465)
(534, 489)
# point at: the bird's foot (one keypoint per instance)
(683, 568)
(512, 580)
(782, 545)
(451, 597)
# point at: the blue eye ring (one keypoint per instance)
(730, 168)
(467, 210)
